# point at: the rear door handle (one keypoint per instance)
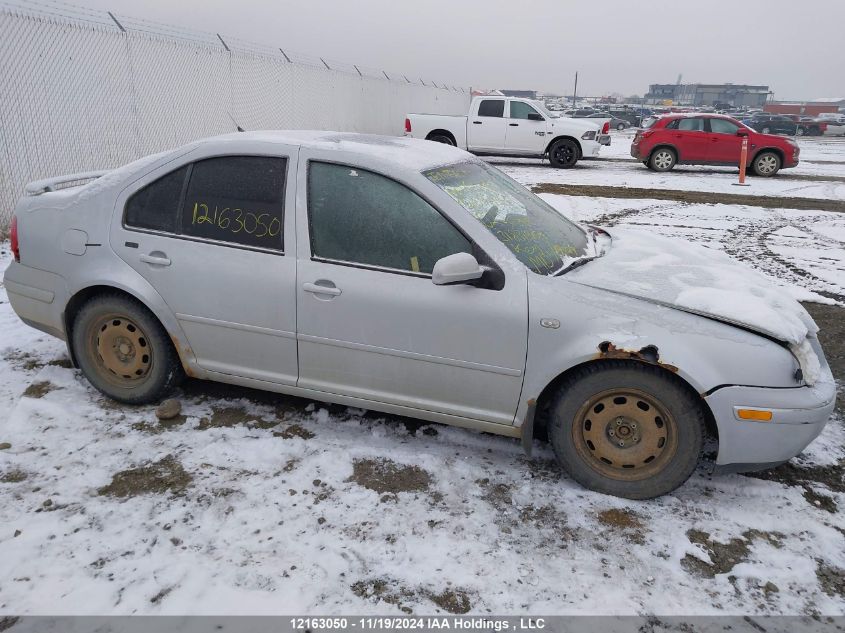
(160, 260)
(476, 122)
(514, 124)
(321, 290)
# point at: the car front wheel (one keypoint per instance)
(662, 159)
(564, 153)
(626, 430)
(766, 164)
(124, 351)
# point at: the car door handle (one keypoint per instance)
(321, 290)
(161, 260)
(476, 122)
(514, 124)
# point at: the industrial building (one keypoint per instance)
(735, 95)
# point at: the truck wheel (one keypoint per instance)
(441, 138)
(563, 153)
(626, 430)
(766, 164)
(124, 351)
(662, 159)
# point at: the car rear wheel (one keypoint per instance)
(564, 153)
(124, 351)
(626, 430)
(766, 130)
(766, 164)
(799, 131)
(441, 138)
(662, 159)
(620, 127)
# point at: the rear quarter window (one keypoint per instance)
(156, 206)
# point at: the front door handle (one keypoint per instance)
(514, 124)
(476, 122)
(318, 289)
(160, 259)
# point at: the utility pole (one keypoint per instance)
(575, 92)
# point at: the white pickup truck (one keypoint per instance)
(510, 126)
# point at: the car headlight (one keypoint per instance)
(589, 136)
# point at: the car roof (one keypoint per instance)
(410, 153)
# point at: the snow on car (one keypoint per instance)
(501, 126)
(412, 278)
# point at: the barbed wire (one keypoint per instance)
(70, 12)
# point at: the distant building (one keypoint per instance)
(735, 95)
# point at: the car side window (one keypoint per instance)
(360, 217)
(156, 206)
(672, 125)
(691, 124)
(520, 110)
(237, 199)
(492, 108)
(720, 126)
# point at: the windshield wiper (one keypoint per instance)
(572, 265)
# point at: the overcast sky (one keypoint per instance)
(617, 46)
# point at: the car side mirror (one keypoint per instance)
(533, 116)
(456, 269)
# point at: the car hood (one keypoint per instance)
(696, 279)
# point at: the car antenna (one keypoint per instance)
(240, 129)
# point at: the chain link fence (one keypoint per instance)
(82, 89)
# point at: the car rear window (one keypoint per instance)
(492, 107)
(238, 199)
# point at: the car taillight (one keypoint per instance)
(606, 127)
(13, 234)
(408, 125)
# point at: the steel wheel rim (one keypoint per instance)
(625, 434)
(121, 350)
(564, 153)
(766, 164)
(663, 160)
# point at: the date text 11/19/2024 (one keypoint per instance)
(459, 623)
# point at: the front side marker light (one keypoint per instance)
(758, 415)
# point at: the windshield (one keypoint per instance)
(540, 237)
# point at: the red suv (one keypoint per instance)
(710, 139)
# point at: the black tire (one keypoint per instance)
(586, 439)
(621, 127)
(564, 153)
(662, 159)
(441, 138)
(766, 164)
(124, 351)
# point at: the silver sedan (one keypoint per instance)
(410, 277)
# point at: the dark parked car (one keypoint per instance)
(710, 139)
(767, 123)
(615, 122)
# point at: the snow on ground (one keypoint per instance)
(257, 503)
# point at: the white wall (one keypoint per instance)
(77, 95)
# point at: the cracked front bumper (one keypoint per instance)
(798, 416)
